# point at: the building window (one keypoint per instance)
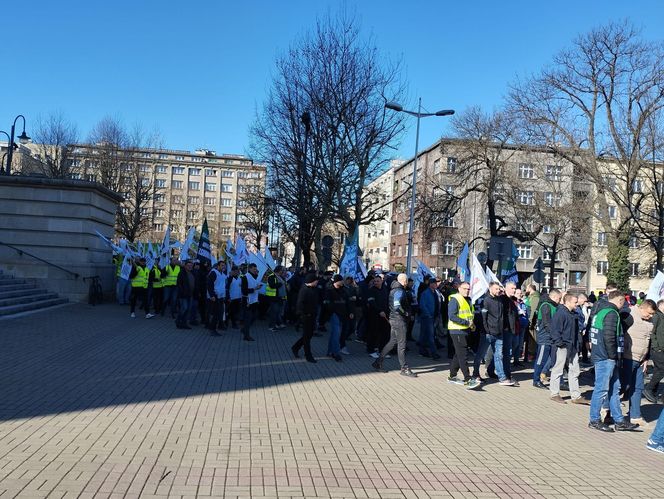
(634, 242)
(633, 269)
(400, 227)
(448, 249)
(525, 251)
(226, 217)
(210, 187)
(436, 166)
(209, 172)
(162, 169)
(226, 202)
(546, 229)
(526, 197)
(226, 187)
(451, 165)
(177, 200)
(194, 172)
(554, 172)
(159, 213)
(178, 170)
(552, 199)
(602, 267)
(158, 226)
(225, 231)
(415, 249)
(193, 200)
(601, 239)
(613, 212)
(652, 270)
(637, 186)
(176, 184)
(160, 182)
(163, 156)
(547, 256)
(610, 182)
(526, 171)
(191, 216)
(176, 213)
(210, 201)
(179, 158)
(448, 221)
(194, 186)
(400, 251)
(226, 173)
(159, 198)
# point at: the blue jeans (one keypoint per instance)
(496, 343)
(607, 384)
(631, 378)
(480, 353)
(517, 345)
(657, 435)
(426, 335)
(541, 361)
(183, 314)
(333, 347)
(274, 312)
(507, 353)
(170, 297)
(122, 291)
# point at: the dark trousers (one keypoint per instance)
(170, 299)
(308, 326)
(234, 311)
(658, 373)
(347, 329)
(378, 333)
(398, 331)
(158, 299)
(250, 314)
(460, 342)
(215, 314)
(184, 305)
(137, 293)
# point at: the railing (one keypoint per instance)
(22, 252)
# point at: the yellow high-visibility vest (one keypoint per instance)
(172, 272)
(270, 291)
(466, 311)
(158, 282)
(141, 278)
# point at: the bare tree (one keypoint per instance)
(54, 137)
(324, 132)
(255, 215)
(591, 107)
(108, 139)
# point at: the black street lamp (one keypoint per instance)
(23, 139)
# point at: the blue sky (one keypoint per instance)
(197, 70)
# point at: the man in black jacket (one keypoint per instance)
(607, 340)
(495, 318)
(336, 310)
(565, 338)
(378, 325)
(400, 314)
(186, 285)
(308, 301)
(656, 354)
(547, 308)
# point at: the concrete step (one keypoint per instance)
(17, 287)
(35, 305)
(11, 281)
(21, 292)
(27, 299)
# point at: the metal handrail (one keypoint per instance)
(21, 252)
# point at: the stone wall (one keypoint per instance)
(55, 220)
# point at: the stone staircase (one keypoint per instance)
(17, 296)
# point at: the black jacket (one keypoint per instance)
(565, 330)
(493, 315)
(336, 302)
(377, 301)
(657, 337)
(308, 300)
(401, 306)
(547, 308)
(183, 285)
(605, 339)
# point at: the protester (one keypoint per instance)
(656, 354)
(216, 295)
(460, 313)
(429, 310)
(494, 315)
(547, 307)
(186, 284)
(336, 311)
(234, 294)
(250, 287)
(170, 278)
(378, 324)
(308, 300)
(139, 284)
(656, 440)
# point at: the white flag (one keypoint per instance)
(656, 289)
(362, 267)
(184, 252)
(262, 266)
(491, 277)
(269, 259)
(241, 253)
(478, 280)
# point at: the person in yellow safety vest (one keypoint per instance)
(273, 292)
(139, 285)
(169, 276)
(156, 289)
(460, 312)
(122, 286)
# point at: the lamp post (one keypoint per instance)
(23, 139)
(302, 167)
(419, 114)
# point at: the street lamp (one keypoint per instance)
(23, 139)
(305, 119)
(419, 114)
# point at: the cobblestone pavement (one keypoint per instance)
(95, 404)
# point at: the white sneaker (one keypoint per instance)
(345, 351)
(149, 316)
(375, 355)
(507, 382)
(388, 356)
(133, 315)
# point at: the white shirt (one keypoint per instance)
(219, 284)
(235, 289)
(252, 283)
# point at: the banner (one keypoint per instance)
(165, 250)
(125, 270)
(478, 280)
(462, 264)
(362, 267)
(260, 263)
(490, 276)
(269, 259)
(204, 255)
(184, 252)
(241, 253)
(656, 289)
(116, 249)
(509, 273)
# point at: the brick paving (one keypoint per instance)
(95, 404)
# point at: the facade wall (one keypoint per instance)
(375, 238)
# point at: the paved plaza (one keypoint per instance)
(95, 404)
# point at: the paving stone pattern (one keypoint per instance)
(95, 404)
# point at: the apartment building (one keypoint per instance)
(535, 182)
(188, 187)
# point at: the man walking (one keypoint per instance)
(185, 291)
(494, 318)
(565, 338)
(336, 310)
(461, 312)
(547, 307)
(250, 287)
(607, 340)
(400, 314)
(308, 300)
(429, 310)
(216, 295)
(274, 294)
(170, 279)
(139, 286)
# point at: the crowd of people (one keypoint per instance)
(615, 335)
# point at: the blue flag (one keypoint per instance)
(509, 273)
(462, 264)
